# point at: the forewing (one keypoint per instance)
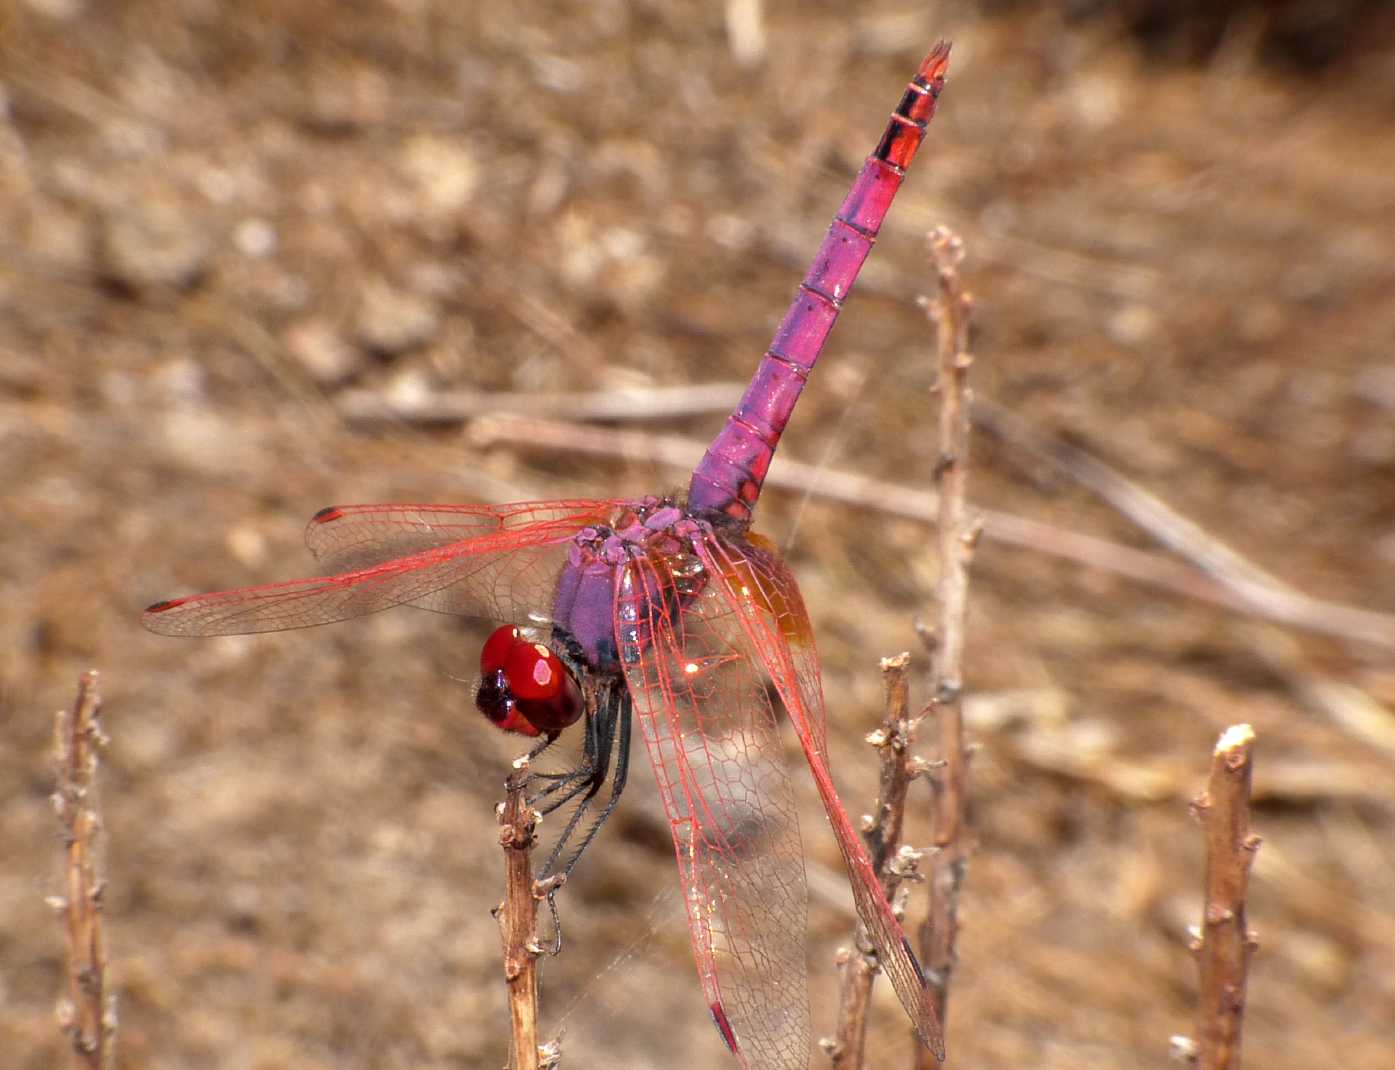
(495, 563)
(346, 538)
(760, 592)
(711, 734)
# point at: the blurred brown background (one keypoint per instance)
(218, 220)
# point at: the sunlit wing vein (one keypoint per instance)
(761, 567)
(742, 573)
(505, 575)
(711, 735)
(345, 538)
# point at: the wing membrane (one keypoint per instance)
(711, 734)
(345, 538)
(491, 562)
(761, 593)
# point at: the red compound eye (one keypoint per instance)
(533, 671)
(494, 700)
(526, 688)
(544, 689)
(498, 647)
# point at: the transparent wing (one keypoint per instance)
(711, 734)
(492, 562)
(345, 538)
(761, 593)
(760, 569)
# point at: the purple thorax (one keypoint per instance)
(584, 606)
(728, 479)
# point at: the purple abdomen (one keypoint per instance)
(728, 479)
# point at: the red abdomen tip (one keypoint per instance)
(934, 65)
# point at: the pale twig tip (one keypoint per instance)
(1234, 738)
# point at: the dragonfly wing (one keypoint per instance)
(345, 538)
(760, 570)
(711, 735)
(499, 564)
(762, 595)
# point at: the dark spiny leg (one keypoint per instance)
(617, 784)
(525, 760)
(573, 781)
(598, 762)
(548, 740)
(569, 783)
(569, 790)
(616, 708)
(556, 782)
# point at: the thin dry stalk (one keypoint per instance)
(518, 920)
(1226, 944)
(883, 496)
(957, 537)
(87, 1012)
(1259, 591)
(893, 740)
(459, 406)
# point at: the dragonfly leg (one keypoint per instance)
(611, 735)
(591, 775)
(617, 783)
(571, 782)
(547, 741)
(558, 781)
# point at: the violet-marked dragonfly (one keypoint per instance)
(665, 609)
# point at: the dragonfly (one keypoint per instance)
(665, 611)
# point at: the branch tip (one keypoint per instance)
(1226, 943)
(1235, 737)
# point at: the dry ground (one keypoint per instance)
(216, 219)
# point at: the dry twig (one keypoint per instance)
(899, 767)
(957, 537)
(433, 408)
(87, 1012)
(1347, 706)
(518, 919)
(1260, 592)
(1226, 945)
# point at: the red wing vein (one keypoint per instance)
(711, 735)
(762, 624)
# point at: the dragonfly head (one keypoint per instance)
(525, 687)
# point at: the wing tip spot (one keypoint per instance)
(723, 1024)
(915, 963)
(932, 1039)
(328, 513)
(165, 605)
